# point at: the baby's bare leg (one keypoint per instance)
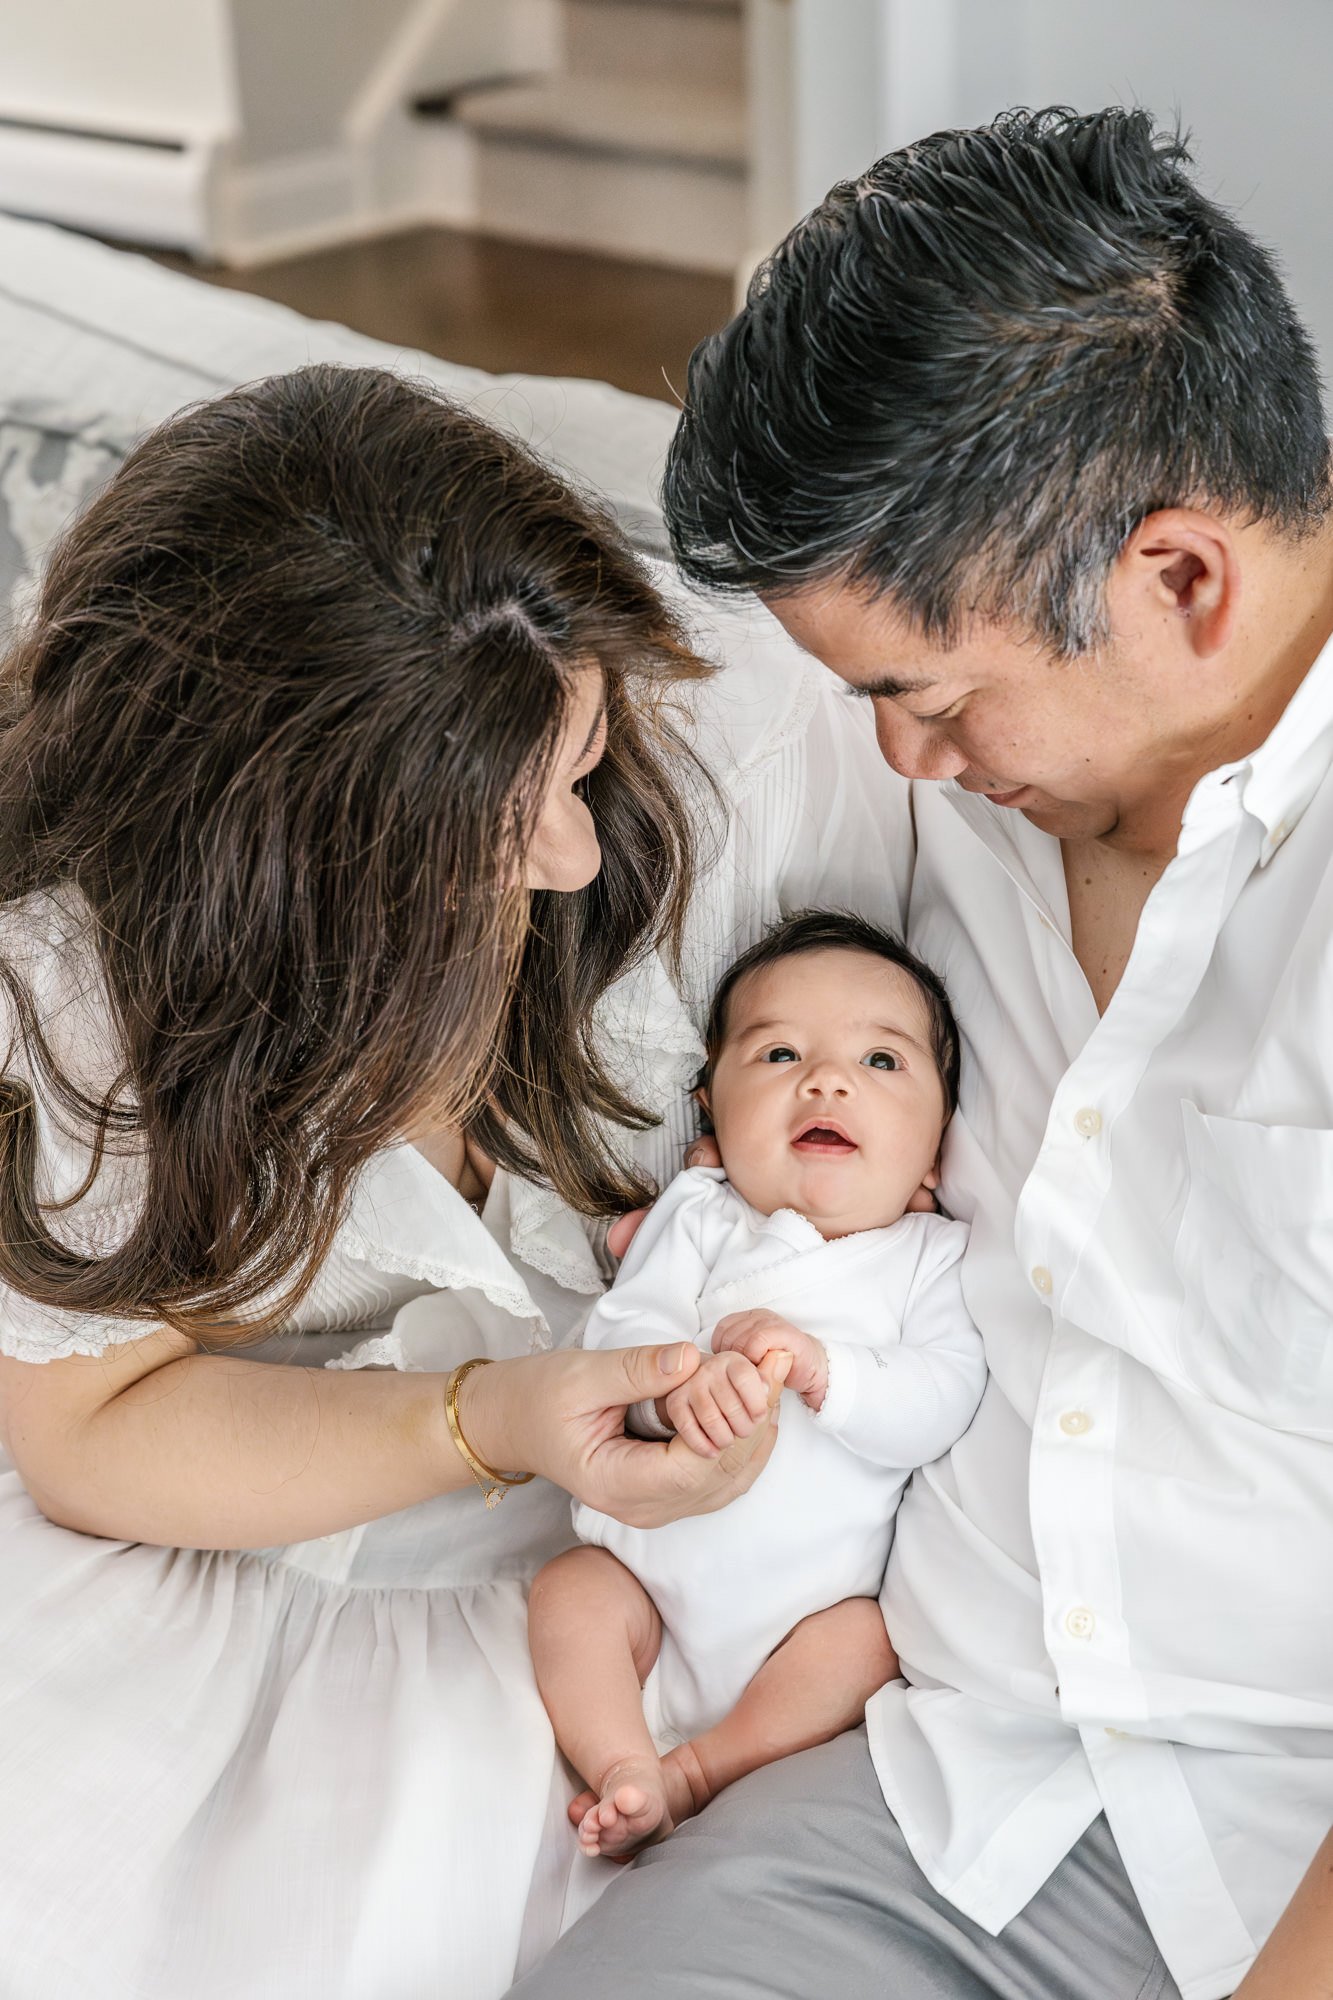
(595, 1635)
(811, 1688)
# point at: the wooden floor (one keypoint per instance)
(502, 306)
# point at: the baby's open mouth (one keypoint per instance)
(823, 1139)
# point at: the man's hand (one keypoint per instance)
(761, 1333)
(721, 1403)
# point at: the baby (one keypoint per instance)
(673, 1660)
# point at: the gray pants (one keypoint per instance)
(797, 1885)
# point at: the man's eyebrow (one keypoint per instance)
(889, 689)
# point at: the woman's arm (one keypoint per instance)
(153, 1441)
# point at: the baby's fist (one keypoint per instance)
(760, 1332)
(722, 1401)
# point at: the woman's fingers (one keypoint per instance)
(744, 1460)
(570, 1427)
(703, 1153)
(775, 1368)
(648, 1373)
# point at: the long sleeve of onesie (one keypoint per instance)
(905, 1402)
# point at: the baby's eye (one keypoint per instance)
(881, 1059)
(781, 1054)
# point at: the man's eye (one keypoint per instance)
(881, 1059)
(944, 714)
(782, 1054)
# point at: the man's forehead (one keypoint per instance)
(868, 642)
(863, 639)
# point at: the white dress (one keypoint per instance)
(906, 1371)
(323, 1772)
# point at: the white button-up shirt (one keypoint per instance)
(1115, 1594)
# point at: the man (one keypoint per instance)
(1020, 436)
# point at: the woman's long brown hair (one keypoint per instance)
(284, 718)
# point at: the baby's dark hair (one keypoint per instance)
(839, 930)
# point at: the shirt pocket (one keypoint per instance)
(1255, 1257)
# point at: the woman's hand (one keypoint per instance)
(563, 1415)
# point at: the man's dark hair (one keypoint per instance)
(965, 378)
(838, 930)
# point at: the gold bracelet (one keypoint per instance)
(492, 1483)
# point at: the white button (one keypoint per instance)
(1080, 1622)
(1075, 1422)
(1043, 1280)
(1087, 1122)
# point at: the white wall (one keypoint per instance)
(150, 68)
(289, 121)
(1251, 79)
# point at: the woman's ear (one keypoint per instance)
(700, 1096)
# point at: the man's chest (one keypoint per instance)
(1106, 893)
(1155, 1176)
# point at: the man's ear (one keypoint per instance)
(1181, 565)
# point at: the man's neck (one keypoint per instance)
(1286, 625)
(1110, 875)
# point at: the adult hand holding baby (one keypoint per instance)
(723, 1401)
(563, 1415)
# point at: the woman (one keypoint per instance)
(338, 786)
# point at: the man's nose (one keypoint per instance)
(914, 748)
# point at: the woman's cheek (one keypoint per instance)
(566, 854)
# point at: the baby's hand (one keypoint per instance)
(722, 1401)
(755, 1334)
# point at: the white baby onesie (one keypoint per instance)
(906, 1372)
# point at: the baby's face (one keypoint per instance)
(825, 1096)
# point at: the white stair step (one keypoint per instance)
(653, 210)
(700, 44)
(634, 119)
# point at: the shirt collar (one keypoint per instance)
(1281, 777)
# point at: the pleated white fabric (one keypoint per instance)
(323, 1773)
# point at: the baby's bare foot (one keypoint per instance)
(640, 1803)
(631, 1811)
